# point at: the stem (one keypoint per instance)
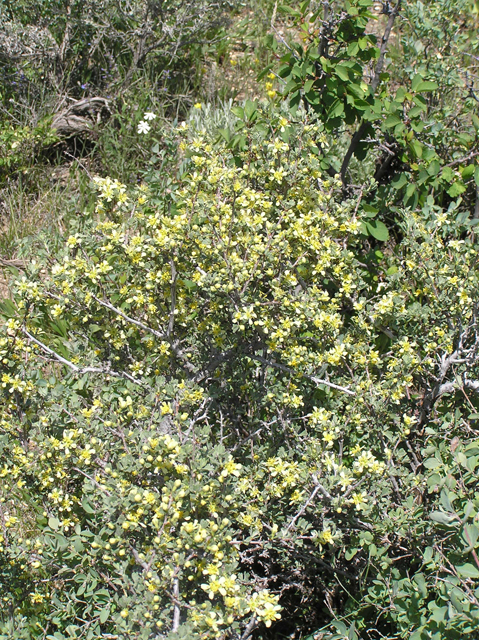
(357, 137)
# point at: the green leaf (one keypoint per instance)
(225, 134)
(353, 49)
(416, 148)
(304, 6)
(87, 507)
(432, 463)
(414, 112)
(400, 181)
(250, 109)
(410, 190)
(341, 72)
(350, 553)
(308, 85)
(467, 171)
(456, 603)
(428, 554)
(420, 101)
(294, 102)
(264, 71)
(470, 535)
(416, 81)
(54, 523)
(426, 86)
(292, 12)
(391, 121)
(336, 109)
(467, 570)
(447, 499)
(456, 189)
(238, 112)
(340, 627)
(378, 230)
(438, 613)
(370, 211)
(421, 583)
(290, 86)
(104, 615)
(284, 70)
(441, 518)
(8, 309)
(77, 543)
(434, 168)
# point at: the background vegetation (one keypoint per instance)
(239, 341)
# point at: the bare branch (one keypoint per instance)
(174, 276)
(282, 367)
(108, 305)
(174, 345)
(80, 370)
(250, 627)
(176, 608)
(93, 481)
(138, 560)
(463, 355)
(303, 508)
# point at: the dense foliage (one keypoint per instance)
(241, 401)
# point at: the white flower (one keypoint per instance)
(149, 116)
(143, 127)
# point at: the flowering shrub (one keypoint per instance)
(214, 414)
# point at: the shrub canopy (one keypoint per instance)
(212, 408)
(241, 401)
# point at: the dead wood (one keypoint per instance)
(81, 116)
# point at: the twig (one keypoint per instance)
(461, 355)
(174, 276)
(138, 560)
(79, 370)
(303, 508)
(161, 336)
(282, 367)
(93, 481)
(357, 137)
(137, 323)
(79, 163)
(273, 28)
(252, 624)
(16, 264)
(472, 155)
(176, 608)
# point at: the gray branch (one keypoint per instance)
(80, 370)
(282, 367)
(140, 325)
(176, 608)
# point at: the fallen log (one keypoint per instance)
(81, 116)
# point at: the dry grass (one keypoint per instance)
(40, 203)
(4, 287)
